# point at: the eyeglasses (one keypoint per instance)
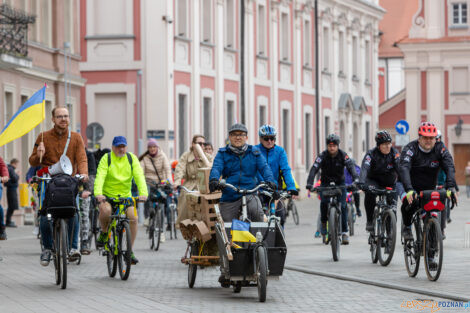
(269, 138)
(59, 117)
(200, 143)
(238, 135)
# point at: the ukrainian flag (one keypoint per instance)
(241, 232)
(26, 118)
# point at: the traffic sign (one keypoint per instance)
(94, 132)
(402, 140)
(402, 127)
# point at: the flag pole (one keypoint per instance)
(41, 127)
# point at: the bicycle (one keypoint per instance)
(94, 213)
(382, 238)
(118, 246)
(158, 198)
(427, 235)
(350, 204)
(172, 207)
(292, 208)
(333, 217)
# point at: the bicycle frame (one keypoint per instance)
(120, 205)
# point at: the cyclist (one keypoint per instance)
(379, 170)
(114, 179)
(348, 180)
(50, 146)
(420, 161)
(208, 148)
(87, 203)
(156, 167)
(276, 158)
(331, 162)
(238, 164)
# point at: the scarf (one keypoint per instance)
(238, 151)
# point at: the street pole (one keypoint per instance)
(242, 61)
(140, 143)
(317, 81)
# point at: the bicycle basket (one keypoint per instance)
(331, 193)
(432, 200)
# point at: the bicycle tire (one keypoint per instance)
(261, 272)
(192, 268)
(412, 251)
(63, 253)
(151, 231)
(432, 243)
(387, 238)
(158, 226)
(175, 217)
(295, 213)
(350, 220)
(373, 241)
(333, 233)
(111, 258)
(124, 250)
(56, 256)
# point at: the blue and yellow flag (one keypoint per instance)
(241, 232)
(26, 118)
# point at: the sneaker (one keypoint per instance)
(317, 234)
(3, 236)
(345, 239)
(45, 257)
(224, 283)
(370, 227)
(162, 237)
(432, 264)
(323, 228)
(101, 240)
(74, 254)
(407, 234)
(443, 235)
(36, 231)
(85, 249)
(358, 212)
(449, 220)
(147, 222)
(134, 260)
(11, 224)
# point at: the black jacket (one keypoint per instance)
(418, 170)
(380, 168)
(13, 181)
(332, 168)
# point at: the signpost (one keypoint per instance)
(95, 132)
(402, 127)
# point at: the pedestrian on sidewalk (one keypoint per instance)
(3, 179)
(467, 178)
(12, 191)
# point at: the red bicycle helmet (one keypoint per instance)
(427, 129)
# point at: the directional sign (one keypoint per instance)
(94, 132)
(402, 127)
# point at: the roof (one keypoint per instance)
(345, 101)
(359, 104)
(395, 25)
(435, 40)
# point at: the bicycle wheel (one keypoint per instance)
(412, 251)
(261, 272)
(295, 213)
(373, 240)
(192, 268)
(158, 229)
(111, 257)
(433, 249)
(387, 238)
(174, 214)
(333, 233)
(63, 253)
(151, 231)
(56, 255)
(351, 219)
(124, 250)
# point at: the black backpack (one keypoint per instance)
(61, 195)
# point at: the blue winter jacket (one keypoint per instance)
(239, 171)
(276, 158)
(348, 180)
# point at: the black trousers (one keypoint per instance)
(370, 200)
(12, 199)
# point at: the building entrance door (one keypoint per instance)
(461, 158)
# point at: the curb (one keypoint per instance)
(455, 297)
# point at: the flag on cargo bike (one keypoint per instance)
(241, 232)
(30, 114)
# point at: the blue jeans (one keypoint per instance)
(344, 210)
(46, 231)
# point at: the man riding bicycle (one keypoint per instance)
(379, 170)
(276, 158)
(420, 161)
(331, 162)
(238, 164)
(114, 179)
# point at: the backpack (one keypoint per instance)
(134, 189)
(61, 196)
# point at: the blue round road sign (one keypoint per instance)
(402, 127)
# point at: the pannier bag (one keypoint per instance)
(61, 195)
(433, 200)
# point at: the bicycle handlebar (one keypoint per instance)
(224, 184)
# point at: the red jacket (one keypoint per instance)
(3, 168)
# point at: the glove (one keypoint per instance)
(214, 185)
(410, 196)
(293, 192)
(271, 185)
(309, 187)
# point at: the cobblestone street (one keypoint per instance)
(159, 281)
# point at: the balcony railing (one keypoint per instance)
(14, 31)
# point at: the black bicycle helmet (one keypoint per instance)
(382, 137)
(333, 138)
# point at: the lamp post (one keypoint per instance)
(317, 82)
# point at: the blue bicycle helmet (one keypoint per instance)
(267, 130)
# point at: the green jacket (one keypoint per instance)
(116, 180)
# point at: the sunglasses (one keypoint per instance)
(269, 138)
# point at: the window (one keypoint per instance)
(285, 129)
(460, 79)
(308, 140)
(285, 43)
(367, 136)
(327, 126)
(262, 30)
(341, 53)
(182, 18)
(459, 13)
(262, 115)
(207, 102)
(230, 24)
(9, 111)
(326, 49)
(182, 124)
(110, 26)
(367, 61)
(45, 22)
(33, 35)
(206, 21)
(354, 57)
(307, 43)
(230, 113)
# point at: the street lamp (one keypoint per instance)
(458, 127)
